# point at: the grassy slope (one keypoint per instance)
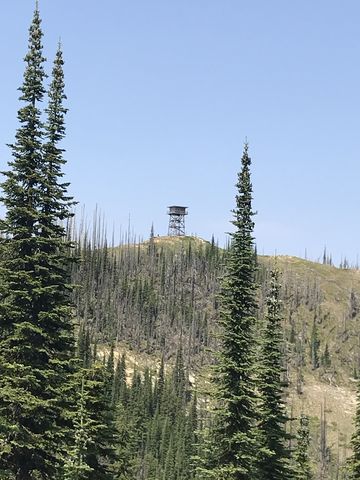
(331, 390)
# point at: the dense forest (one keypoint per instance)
(166, 359)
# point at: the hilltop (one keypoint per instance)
(149, 297)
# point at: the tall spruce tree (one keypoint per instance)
(233, 451)
(35, 334)
(55, 253)
(274, 462)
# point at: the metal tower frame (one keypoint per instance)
(177, 220)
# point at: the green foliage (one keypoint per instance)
(325, 358)
(92, 450)
(83, 350)
(76, 467)
(100, 455)
(149, 298)
(354, 463)
(301, 455)
(314, 346)
(233, 454)
(119, 388)
(274, 462)
(36, 338)
(79, 419)
(157, 427)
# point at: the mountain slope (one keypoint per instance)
(153, 296)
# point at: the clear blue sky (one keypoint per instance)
(163, 93)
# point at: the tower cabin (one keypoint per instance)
(177, 220)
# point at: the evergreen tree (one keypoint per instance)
(302, 461)
(110, 375)
(160, 383)
(76, 467)
(191, 440)
(55, 202)
(178, 374)
(314, 346)
(36, 341)
(126, 447)
(274, 462)
(119, 388)
(326, 359)
(83, 350)
(156, 437)
(234, 445)
(101, 451)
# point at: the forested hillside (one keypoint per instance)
(169, 359)
(149, 297)
(151, 294)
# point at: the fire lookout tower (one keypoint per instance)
(177, 220)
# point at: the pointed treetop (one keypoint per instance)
(32, 88)
(243, 212)
(36, 16)
(36, 21)
(59, 56)
(245, 158)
